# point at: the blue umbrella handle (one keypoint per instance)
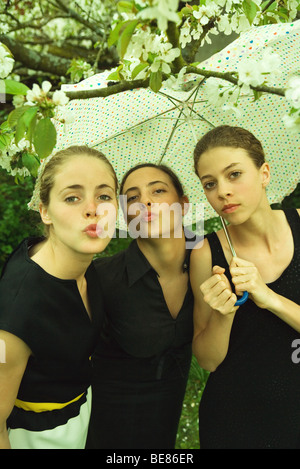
(242, 300)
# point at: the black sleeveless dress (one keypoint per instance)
(252, 400)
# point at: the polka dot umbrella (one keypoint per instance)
(142, 126)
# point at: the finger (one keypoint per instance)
(210, 294)
(237, 261)
(243, 270)
(210, 282)
(218, 270)
(218, 300)
(241, 279)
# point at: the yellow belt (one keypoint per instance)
(43, 406)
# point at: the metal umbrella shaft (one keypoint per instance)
(244, 298)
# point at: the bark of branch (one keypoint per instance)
(34, 60)
(109, 90)
(129, 85)
(233, 79)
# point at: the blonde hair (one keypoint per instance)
(48, 175)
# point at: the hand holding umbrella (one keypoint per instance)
(245, 294)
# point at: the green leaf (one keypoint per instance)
(15, 87)
(15, 115)
(250, 9)
(114, 34)
(29, 114)
(141, 66)
(31, 162)
(115, 75)
(127, 7)
(20, 131)
(5, 126)
(44, 137)
(126, 36)
(155, 80)
(5, 141)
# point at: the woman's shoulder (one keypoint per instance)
(201, 259)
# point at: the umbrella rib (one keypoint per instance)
(170, 137)
(134, 126)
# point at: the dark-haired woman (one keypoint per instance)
(141, 367)
(251, 397)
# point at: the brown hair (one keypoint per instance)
(50, 170)
(174, 178)
(227, 136)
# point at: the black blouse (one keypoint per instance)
(139, 324)
(48, 314)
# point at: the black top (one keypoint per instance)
(251, 400)
(48, 314)
(139, 324)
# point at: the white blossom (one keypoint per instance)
(5, 158)
(249, 73)
(292, 92)
(176, 83)
(254, 73)
(163, 11)
(60, 98)
(6, 62)
(292, 121)
(185, 34)
(18, 100)
(224, 25)
(33, 95)
(46, 86)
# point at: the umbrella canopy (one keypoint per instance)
(139, 125)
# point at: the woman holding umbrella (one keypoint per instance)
(141, 367)
(251, 398)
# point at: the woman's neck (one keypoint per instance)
(262, 227)
(60, 261)
(165, 255)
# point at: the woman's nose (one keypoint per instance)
(224, 190)
(91, 209)
(145, 200)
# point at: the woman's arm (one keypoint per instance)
(214, 309)
(11, 372)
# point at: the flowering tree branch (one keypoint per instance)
(151, 38)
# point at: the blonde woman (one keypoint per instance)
(49, 307)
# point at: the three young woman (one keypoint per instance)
(51, 307)
(251, 398)
(50, 319)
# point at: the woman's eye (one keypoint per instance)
(235, 174)
(105, 197)
(132, 198)
(71, 199)
(159, 191)
(209, 185)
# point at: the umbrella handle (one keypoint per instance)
(242, 300)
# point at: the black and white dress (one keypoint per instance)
(53, 405)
